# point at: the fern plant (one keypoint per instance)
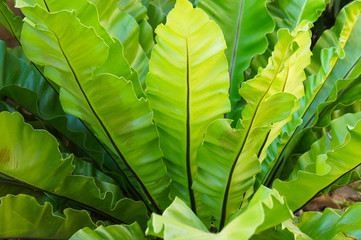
(208, 119)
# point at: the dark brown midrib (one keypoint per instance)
(188, 152)
(46, 5)
(265, 140)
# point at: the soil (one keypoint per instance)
(340, 198)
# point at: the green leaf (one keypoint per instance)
(84, 168)
(285, 231)
(158, 11)
(194, 2)
(134, 8)
(266, 209)
(244, 24)
(125, 28)
(31, 91)
(338, 62)
(345, 94)
(8, 19)
(51, 173)
(294, 65)
(260, 61)
(5, 106)
(106, 102)
(23, 217)
(340, 37)
(87, 13)
(187, 89)
(289, 14)
(24, 84)
(114, 232)
(334, 155)
(332, 224)
(179, 222)
(146, 37)
(9, 187)
(217, 164)
(229, 157)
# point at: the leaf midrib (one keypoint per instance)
(56, 92)
(105, 129)
(340, 93)
(301, 12)
(320, 191)
(100, 143)
(344, 77)
(225, 198)
(11, 28)
(46, 5)
(235, 46)
(188, 151)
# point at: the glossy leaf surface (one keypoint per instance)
(332, 224)
(24, 217)
(125, 28)
(334, 155)
(56, 177)
(289, 14)
(187, 89)
(25, 85)
(90, 98)
(230, 156)
(114, 232)
(338, 60)
(87, 13)
(179, 222)
(244, 36)
(8, 19)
